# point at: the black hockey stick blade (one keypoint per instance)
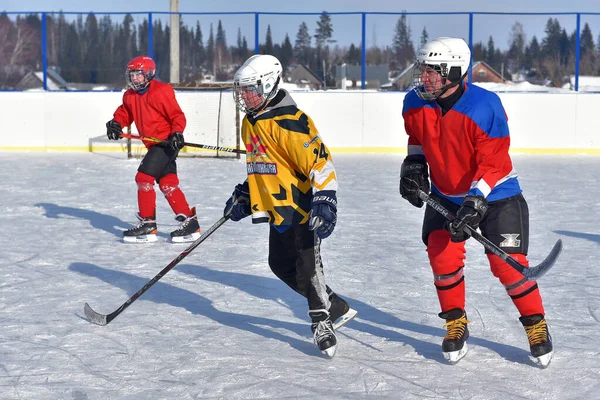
(96, 318)
(104, 319)
(533, 273)
(530, 273)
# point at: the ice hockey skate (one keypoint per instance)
(340, 311)
(323, 332)
(189, 230)
(144, 232)
(540, 341)
(454, 345)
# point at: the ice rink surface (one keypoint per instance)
(221, 326)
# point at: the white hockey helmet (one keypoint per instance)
(256, 82)
(450, 57)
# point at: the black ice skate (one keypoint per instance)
(339, 311)
(323, 332)
(454, 345)
(540, 341)
(189, 230)
(144, 232)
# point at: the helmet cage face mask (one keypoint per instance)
(430, 81)
(140, 71)
(250, 98)
(441, 64)
(256, 83)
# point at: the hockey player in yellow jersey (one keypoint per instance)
(292, 186)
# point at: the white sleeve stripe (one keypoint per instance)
(486, 189)
(320, 177)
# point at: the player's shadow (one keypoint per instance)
(388, 325)
(580, 235)
(165, 293)
(98, 220)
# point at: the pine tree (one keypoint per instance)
(302, 49)
(354, 56)
(210, 52)
(424, 37)
(91, 58)
(516, 47)
(287, 53)
(404, 51)
(268, 46)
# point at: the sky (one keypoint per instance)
(221, 326)
(347, 28)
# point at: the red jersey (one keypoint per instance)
(155, 111)
(466, 149)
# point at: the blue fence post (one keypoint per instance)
(150, 41)
(577, 51)
(471, 47)
(44, 51)
(363, 68)
(256, 41)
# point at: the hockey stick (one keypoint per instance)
(104, 319)
(200, 146)
(531, 273)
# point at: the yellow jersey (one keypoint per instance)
(287, 162)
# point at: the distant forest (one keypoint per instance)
(96, 50)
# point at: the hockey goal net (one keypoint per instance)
(212, 120)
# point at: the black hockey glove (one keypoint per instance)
(323, 214)
(470, 213)
(414, 176)
(176, 141)
(238, 205)
(113, 130)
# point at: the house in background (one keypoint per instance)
(304, 78)
(35, 80)
(481, 71)
(350, 76)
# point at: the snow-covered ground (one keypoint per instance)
(221, 326)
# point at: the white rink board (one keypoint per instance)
(350, 121)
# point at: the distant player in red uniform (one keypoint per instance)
(152, 106)
(460, 132)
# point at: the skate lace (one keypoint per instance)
(185, 223)
(322, 331)
(456, 327)
(141, 222)
(537, 333)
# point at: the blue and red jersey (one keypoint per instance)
(467, 148)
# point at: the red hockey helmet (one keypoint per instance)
(140, 71)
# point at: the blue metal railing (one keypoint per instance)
(363, 18)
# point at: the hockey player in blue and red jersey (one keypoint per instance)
(459, 132)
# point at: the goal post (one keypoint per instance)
(212, 119)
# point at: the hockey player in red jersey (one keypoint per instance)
(152, 106)
(292, 186)
(459, 132)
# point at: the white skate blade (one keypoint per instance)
(543, 360)
(140, 239)
(344, 319)
(454, 356)
(192, 237)
(330, 352)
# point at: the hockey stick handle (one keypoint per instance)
(101, 319)
(200, 146)
(489, 246)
